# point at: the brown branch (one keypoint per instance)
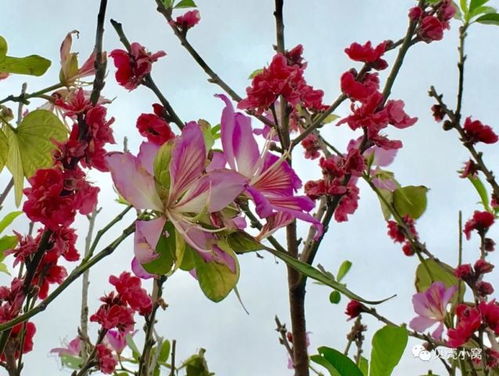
(100, 60)
(145, 361)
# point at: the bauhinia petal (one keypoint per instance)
(245, 146)
(214, 192)
(218, 161)
(147, 153)
(147, 234)
(238, 142)
(276, 177)
(273, 223)
(187, 161)
(263, 206)
(298, 207)
(139, 270)
(133, 181)
(421, 323)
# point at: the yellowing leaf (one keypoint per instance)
(31, 145)
(14, 164)
(4, 149)
(216, 279)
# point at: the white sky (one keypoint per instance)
(235, 38)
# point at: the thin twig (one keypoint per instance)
(174, 346)
(148, 80)
(145, 368)
(213, 77)
(85, 281)
(100, 61)
(281, 329)
(6, 191)
(75, 274)
(106, 228)
(477, 156)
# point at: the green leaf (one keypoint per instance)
(482, 191)
(188, 259)
(340, 365)
(464, 7)
(489, 19)
(7, 242)
(4, 268)
(437, 272)
(196, 365)
(364, 366)
(334, 297)
(216, 279)
(388, 196)
(164, 352)
(7, 220)
(4, 149)
(410, 200)
(330, 118)
(161, 167)
(33, 65)
(388, 345)
(215, 131)
(185, 4)
(255, 73)
(167, 3)
(319, 276)
(323, 362)
(31, 145)
(3, 47)
(482, 10)
(474, 4)
(343, 270)
(209, 138)
(165, 248)
(131, 344)
(70, 361)
(459, 13)
(241, 242)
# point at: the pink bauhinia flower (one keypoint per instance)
(431, 306)
(191, 192)
(272, 183)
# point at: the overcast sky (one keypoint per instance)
(235, 37)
